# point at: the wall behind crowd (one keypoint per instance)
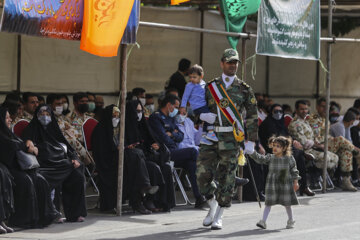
(51, 65)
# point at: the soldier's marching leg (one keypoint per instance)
(206, 167)
(226, 178)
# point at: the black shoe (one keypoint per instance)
(141, 209)
(240, 181)
(307, 191)
(200, 202)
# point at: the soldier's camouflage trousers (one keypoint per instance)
(218, 161)
(332, 159)
(343, 148)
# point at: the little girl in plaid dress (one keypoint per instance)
(282, 179)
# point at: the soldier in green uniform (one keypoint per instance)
(220, 160)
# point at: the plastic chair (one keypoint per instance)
(287, 119)
(19, 127)
(87, 130)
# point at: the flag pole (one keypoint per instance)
(123, 72)
(328, 79)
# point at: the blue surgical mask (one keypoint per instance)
(180, 118)
(173, 113)
(45, 120)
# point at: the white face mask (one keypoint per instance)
(151, 108)
(143, 101)
(58, 110)
(356, 122)
(139, 116)
(115, 122)
(66, 106)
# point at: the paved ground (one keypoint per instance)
(335, 215)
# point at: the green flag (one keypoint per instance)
(235, 13)
(289, 29)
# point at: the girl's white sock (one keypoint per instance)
(266, 213)
(289, 212)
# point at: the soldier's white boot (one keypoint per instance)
(213, 204)
(217, 222)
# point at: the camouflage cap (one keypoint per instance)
(230, 55)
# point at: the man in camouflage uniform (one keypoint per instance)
(78, 116)
(220, 160)
(301, 131)
(31, 102)
(69, 132)
(338, 145)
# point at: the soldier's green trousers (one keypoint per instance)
(218, 161)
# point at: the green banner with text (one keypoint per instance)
(289, 29)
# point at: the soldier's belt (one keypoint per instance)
(223, 129)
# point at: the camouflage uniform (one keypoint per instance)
(301, 131)
(70, 134)
(338, 145)
(27, 116)
(220, 160)
(77, 121)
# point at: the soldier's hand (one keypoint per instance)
(169, 134)
(249, 147)
(297, 145)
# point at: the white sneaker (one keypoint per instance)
(217, 222)
(290, 224)
(261, 224)
(213, 204)
(204, 141)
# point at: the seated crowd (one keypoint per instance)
(156, 141)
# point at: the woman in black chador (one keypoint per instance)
(32, 201)
(105, 143)
(138, 135)
(59, 162)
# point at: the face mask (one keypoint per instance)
(333, 119)
(83, 108)
(151, 108)
(91, 106)
(139, 116)
(356, 122)
(58, 110)
(66, 106)
(115, 122)
(143, 101)
(45, 120)
(180, 118)
(173, 113)
(277, 116)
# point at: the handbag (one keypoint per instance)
(27, 161)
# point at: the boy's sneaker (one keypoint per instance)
(205, 141)
(211, 136)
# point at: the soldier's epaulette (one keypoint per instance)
(245, 84)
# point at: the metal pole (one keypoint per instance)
(18, 76)
(122, 127)
(202, 13)
(267, 75)
(328, 78)
(243, 77)
(232, 34)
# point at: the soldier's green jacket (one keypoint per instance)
(243, 97)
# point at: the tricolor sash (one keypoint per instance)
(228, 109)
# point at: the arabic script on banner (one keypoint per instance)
(289, 29)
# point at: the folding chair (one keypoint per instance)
(177, 182)
(19, 127)
(87, 130)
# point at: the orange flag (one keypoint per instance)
(177, 2)
(103, 26)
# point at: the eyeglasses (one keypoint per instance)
(278, 111)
